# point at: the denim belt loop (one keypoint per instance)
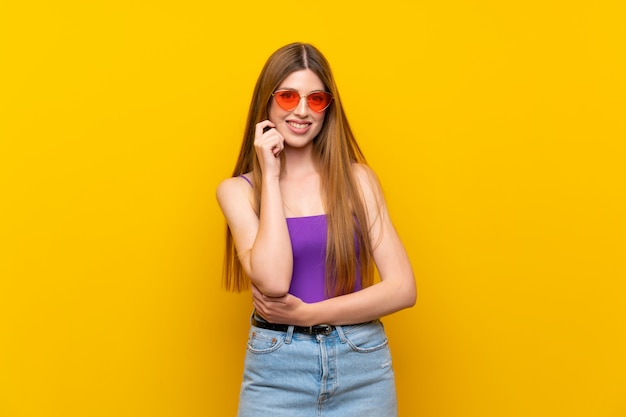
(289, 334)
(341, 334)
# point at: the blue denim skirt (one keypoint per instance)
(345, 373)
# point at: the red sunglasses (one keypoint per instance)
(288, 100)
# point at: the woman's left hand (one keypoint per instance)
(287, 309)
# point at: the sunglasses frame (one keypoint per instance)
(305, 96)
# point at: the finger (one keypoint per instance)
(257, 298)
(260, 127)
(278, 148)
(258, 304)
(259, 311)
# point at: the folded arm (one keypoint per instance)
(395, 291)
(262, 242)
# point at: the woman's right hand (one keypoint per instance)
(268, 144)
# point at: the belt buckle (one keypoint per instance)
(324, 329)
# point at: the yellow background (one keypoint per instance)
(497, 129)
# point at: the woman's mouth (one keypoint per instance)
(296, 125)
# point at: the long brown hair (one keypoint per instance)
(348, 250)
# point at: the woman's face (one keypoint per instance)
(301, 125)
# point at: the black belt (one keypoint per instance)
(324, 329)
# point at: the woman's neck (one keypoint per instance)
(299, 161)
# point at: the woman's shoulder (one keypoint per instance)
(359, 168)
(234, 188)
(365, 176)
(370, 187)
(236, 181)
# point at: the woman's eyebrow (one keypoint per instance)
(298, 91)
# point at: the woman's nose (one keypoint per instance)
(302, 107)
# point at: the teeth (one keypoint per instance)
(298, 125)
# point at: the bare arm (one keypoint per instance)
(262, 242)
(394, 292)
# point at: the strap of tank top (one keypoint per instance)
(246, 178)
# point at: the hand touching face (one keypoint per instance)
(268, 144)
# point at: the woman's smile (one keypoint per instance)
(298, 127)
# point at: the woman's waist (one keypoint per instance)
(318, 329)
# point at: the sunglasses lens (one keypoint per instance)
(287, 100)
(319, 101)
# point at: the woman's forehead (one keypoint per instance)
(303, 81)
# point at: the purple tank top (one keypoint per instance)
(308, 244)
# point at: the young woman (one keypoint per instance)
(307, 225)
